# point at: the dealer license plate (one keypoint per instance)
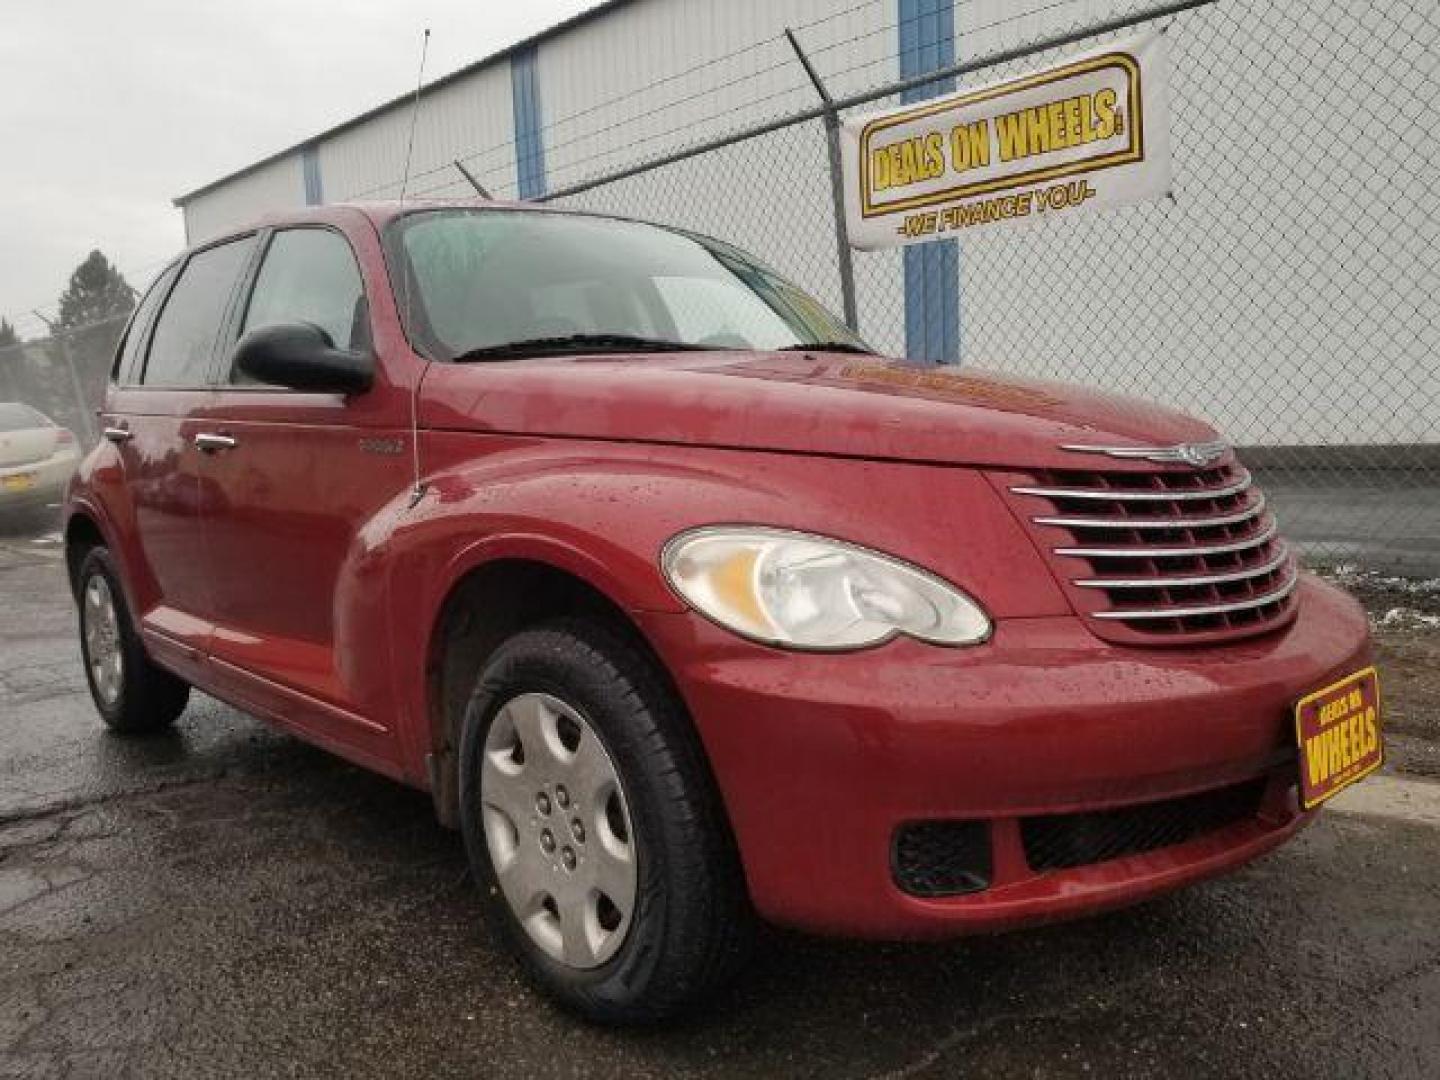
(1338, 729)
(19, 482)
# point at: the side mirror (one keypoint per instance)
(302, 356)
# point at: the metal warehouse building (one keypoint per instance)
(605, 88)
(1287, 290)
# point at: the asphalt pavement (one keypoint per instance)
(227, 901)
(1386, 520)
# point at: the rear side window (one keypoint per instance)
(127, 369)
(309, 275)
(17, 417)
(184, 338)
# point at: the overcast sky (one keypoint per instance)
(111, 108)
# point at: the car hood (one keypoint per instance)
(812, 403)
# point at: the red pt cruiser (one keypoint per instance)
(683, 605)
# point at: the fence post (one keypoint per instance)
(87, 417)
(82, 405)
(837, 187)
(479, 187)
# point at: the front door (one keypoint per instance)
(296, 476)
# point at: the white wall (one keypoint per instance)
(460, 118)
(367, 161)
(276, 186)
(709, 68)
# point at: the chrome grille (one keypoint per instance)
(1163, 554)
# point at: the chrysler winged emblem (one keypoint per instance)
(1196, 455)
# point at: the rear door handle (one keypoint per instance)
(211, 442)
(119, 435)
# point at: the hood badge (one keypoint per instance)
(1196, 455)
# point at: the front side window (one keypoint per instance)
(482, 283)
(310, 275)
(184, 339)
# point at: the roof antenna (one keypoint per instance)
(414, 113)
(417, 489)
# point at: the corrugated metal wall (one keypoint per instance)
(704, 71)
(279, 184)
(696, 61)
(368, 161)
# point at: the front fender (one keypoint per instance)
(603, 512)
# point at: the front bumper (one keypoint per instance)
(821, 758)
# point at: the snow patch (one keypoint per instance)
(1403, 618)
(1351, 575)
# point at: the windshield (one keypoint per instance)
(486, 279)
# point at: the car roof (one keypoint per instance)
(382, 212)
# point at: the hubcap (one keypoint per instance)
(558, 829)
(102, 640)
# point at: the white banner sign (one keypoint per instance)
(1091, 132)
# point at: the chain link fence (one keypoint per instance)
(1288, 290)
(63, 376)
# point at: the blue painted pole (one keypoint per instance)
(932, 270)
(529, 145)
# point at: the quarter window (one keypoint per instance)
(184, 340)
(127, 369)
(309, 275)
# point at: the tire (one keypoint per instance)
(688, 922)
(131, 693)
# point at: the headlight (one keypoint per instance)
(807, 592)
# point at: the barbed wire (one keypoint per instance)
(787, 62)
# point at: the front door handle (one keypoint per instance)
(119, 435)
(211, 442)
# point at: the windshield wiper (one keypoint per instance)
(829, 346)
(576, 343)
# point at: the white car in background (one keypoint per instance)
(37, 457)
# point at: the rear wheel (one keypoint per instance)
(593, 827)
(132, 694)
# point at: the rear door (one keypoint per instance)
(297, 479)
(158, 505)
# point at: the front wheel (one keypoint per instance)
(593, 827)
(132, 694)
